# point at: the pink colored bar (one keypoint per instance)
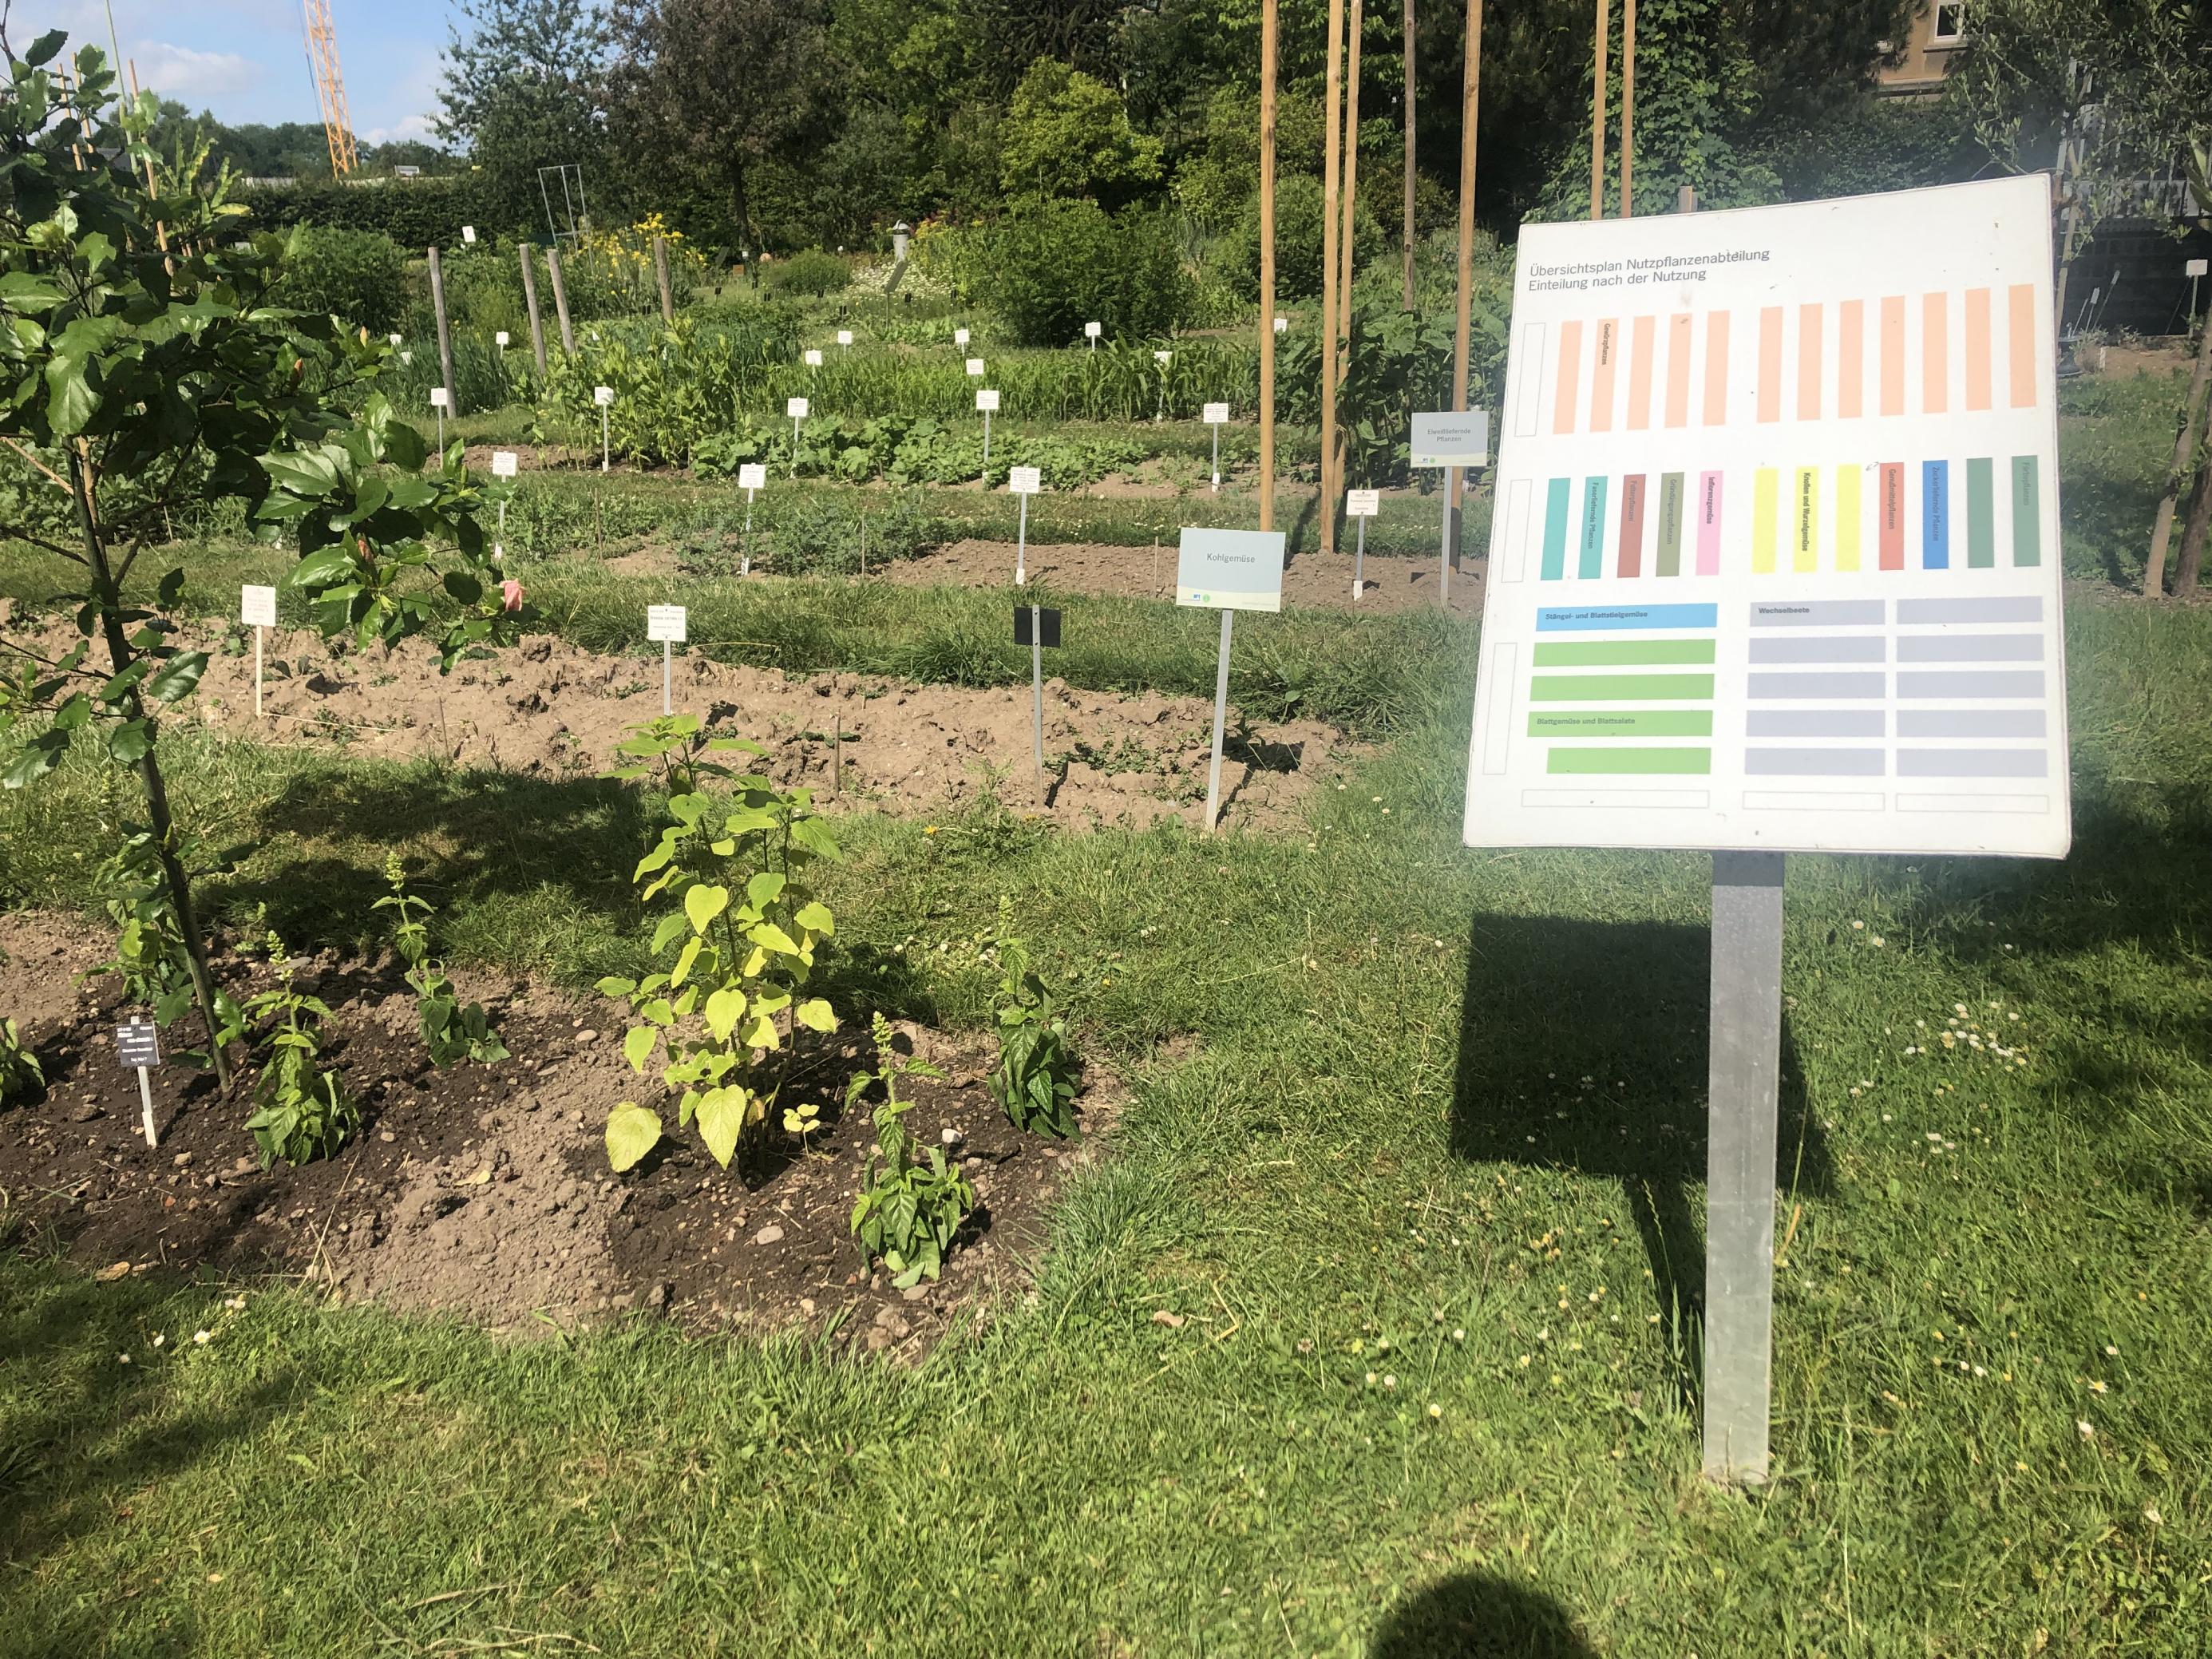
(1709, 524)
(1808, 362)
(1850, 359)
(1716, 367)
(1643, 343)
(1678, 369)
(1893, 356)
(1570, 371)
(1601, 373)
(1935, 354)
(1977, 347)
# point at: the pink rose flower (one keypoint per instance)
(510, 594)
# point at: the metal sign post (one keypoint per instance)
(1091, 331)
(1228, 570)
(502, 467)
(138, 1047)
(986, 401)
(1024, 482)
(439, 399)
(604, 396)
(796, 408)
(1036, 627)
(1360, 506)
(665, 622)
(1220, 714)
(1162, 359)
(1460, 439)
(751, 475)
(1215, 415)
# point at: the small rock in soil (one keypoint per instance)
(770, 1234)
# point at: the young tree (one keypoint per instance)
(143, 376)
(1068, 134)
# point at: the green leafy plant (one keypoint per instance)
(450, 1031)
(151, 958)
(301, 1111)
(742, 928)
(22, 1076)
(908, 1211)
(1034, 1080)
(812, 272)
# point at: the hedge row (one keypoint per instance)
(415, 213)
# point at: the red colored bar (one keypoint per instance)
(1631, 524)
(1892, 516)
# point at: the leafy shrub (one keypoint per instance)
(359, 277)
(413, 212)
(1401, 362)
(909, 1213)
(813, 273)
(1034, 1081)
(1299, 221)
(302, 1112)
(1050, 267)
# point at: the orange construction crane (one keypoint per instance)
(330, 87)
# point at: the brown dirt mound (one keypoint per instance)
(485, 1191)
(919, 749)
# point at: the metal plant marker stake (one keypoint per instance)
(746, 566)
(1220, 713)
(667, 652)
(1360, 559)
(1742, 1089)
(1036, 690)
(1022, 543)
(1444, 549)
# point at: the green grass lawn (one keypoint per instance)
(1441, 1124)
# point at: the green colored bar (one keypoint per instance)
(1555, 528)
(1981, 514)
(2027, 511)
(1620, 687)
(1630, 760)
(1615, 654)
(1670, 525)
(1620, 723)
(1592, 564)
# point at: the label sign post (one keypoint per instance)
(1231, 570)
(1775, 570)
(796, 408)
(1449, 440)
(1036, 627)
(1161, 412)
(814, 357)
(751, 475)
(2193, 269)
(844, 336)
(139, 1047)
(604, 396)
(1023, 482)
(665, 622)
(257, 609)
(1361, 505)
(1091, 331)
(975, 369)
(985, 403)
(502, 467)
(960, 336)
(441, 400)
(1216, 414)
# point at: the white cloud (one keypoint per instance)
(408, 126)
(187, 75)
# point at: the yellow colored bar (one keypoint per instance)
(1847, 518)
(1766, 488)
(1805, 521)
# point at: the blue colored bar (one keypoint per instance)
(1935, 516)
(1589, 618)
(1593, 555)
(1557, 500)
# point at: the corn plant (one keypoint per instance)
(742, 929)
(450, 1032)
(908, 1211)
(301, 1111)
(1034, 1080)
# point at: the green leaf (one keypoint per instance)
(37, 757)
(43, 48)
(171, 588)
(463, 587)
(637, 1045)
(815, 917)
(615, 986)
(723, 1009)
(177, 676)
(321, 569)
(688, 955)
(128, 743)
(720, 1116)
(702, 905)
(764, 888)
(769, 937)
(760, 1033)
(816, 1014)
(632, 1132)
(310, 472)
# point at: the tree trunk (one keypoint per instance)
(560, 298)
(1408, 254)
(2192, 534)
(2177, 470)
(109, 598)
(660, 274)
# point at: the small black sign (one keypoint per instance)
(138, 1043)
(1048, 622)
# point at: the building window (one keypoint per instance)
(1950, 25)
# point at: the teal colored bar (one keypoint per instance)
(1593, 556)
(1981, 513)
(2027, 511)
(1556, 502)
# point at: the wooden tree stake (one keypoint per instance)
(1333, 134)
(1267, 53)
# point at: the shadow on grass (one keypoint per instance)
(1477, 1615)
(1583, 1044)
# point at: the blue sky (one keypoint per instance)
(246, 60)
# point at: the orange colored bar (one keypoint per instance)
(2021, 335)
(1892, 354)
(1643, 341)
(1808, 362)
(1850, 359)
(1571, 374)
(1608, 359)
(1935, 354)
(1678, 370)
(1977, 347)
(1770, 363)
(1716, 348)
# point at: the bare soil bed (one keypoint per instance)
(1310, 579)
(546, 706)
(485, 1191)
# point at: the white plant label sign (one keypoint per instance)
(976, 366)
(502, 463)
(1362, 503)
(469, 234)
(986, 401)
(814, 357)
(794, 409)
(500, 338)
(845, 337)
(960, 336)
(664, 623)
(752, 474)
(1217, 414)
(1024, 480)
(1282, 326)
(603, 395)
(1452, 438)
(1092, 331)
(440, 398)
(257, 606)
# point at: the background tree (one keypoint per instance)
(521, 91)
(1068, 134)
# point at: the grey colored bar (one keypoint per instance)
(1816, 685)
(1966, 648)
(2020, 608)
(1814, 723)
(1819, 613)
(2027, 684)
(1968, 722)
(1813, 763)
(1815, 648)
(1971, 763)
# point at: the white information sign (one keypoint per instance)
(1452, 440)
(1161, 357)
(1362, 503)
(814, 357)
(976, 366)
(440, 398)
(394, 339)
(257, 606)
(844, 336)
(469, 234)
(1092, 331)
(985, 402)
(500, 338)
(752, 474)
(1230, 569)
(502, 463)
(2197, 268)
(1774, 563)
(794, 408)
(1282, 326)
(664, 623)
(1216, 414)
(960, 336)
(1024, 480)
(603, 395)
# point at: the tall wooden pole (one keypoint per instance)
(1349, 268)
(560, 298)
(1408, 260)
(1332, 140)
(1462, 343)
(1627, 108)
(445, 335)
(1267, 30)
(1597, 114)
(661, 271)
(530, 298)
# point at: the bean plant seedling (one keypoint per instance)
(908, 1211)
(22, 1076)
(1034, 1080)
(743, 931)
(302, 1111)
(450, 1031)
